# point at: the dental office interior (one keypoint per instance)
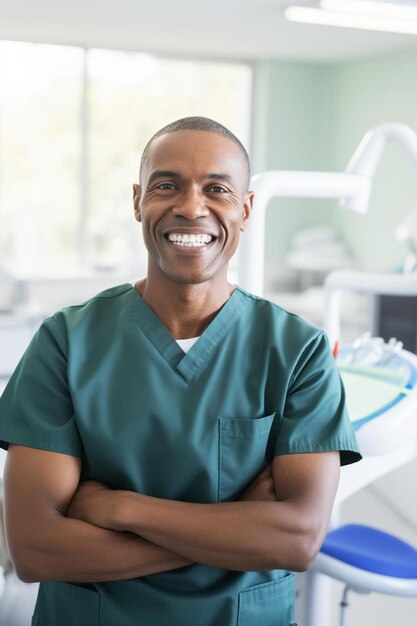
(328, 112)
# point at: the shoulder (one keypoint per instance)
(269, 317)
(111, 296)
(101, 309)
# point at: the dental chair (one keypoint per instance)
(362, 557)
(367, 560)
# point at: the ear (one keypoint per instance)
(136, 200)
(247, 208)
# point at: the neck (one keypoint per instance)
(186, 310)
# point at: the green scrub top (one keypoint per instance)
(106, 381)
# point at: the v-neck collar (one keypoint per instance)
(186, 364)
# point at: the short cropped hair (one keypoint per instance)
(196, 123)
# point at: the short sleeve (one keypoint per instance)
(315, 418)
(36, 408)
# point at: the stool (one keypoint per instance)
(367, 559)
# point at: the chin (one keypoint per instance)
(190, 278)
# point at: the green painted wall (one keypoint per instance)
(314, 117)
(294, 131)
(371, 92)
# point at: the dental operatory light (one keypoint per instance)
(378, 15)
(352, 188)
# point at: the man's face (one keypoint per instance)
(192, 202)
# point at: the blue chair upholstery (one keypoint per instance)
(367, 559)
(372, 550)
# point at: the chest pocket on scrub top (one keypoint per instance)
(245, 447)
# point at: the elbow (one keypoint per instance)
(25, 566)
(33, 554)
(308, 548)
(26, 556)
(305, 556)
(26, 575)
(300, 552)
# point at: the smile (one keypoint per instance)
(190, 240)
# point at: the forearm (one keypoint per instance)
(73, 550)
(275, 524)
(233, 535)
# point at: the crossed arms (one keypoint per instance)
(60, 529)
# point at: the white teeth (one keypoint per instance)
(190, 240)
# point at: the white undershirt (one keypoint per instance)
(185, 344)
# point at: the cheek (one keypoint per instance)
(147, 234)
(148, 225)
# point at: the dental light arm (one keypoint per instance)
(352, 188)
(286, 184)
(368, 154)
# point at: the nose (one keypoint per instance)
(190, 205)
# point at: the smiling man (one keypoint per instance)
(174, 445)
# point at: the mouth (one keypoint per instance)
(190, 240)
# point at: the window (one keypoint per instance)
(73, 124)
(40, 147)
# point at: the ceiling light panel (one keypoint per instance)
(372, 7)
(323, 17)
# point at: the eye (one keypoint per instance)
(165, 186)
(217, 189)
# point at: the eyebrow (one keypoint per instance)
(163, 174)
(223, 177)
(176, 175)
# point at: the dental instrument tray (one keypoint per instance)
(381, 395)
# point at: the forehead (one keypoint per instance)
(196, 152)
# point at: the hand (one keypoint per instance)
(261, 488)
(95, 503)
